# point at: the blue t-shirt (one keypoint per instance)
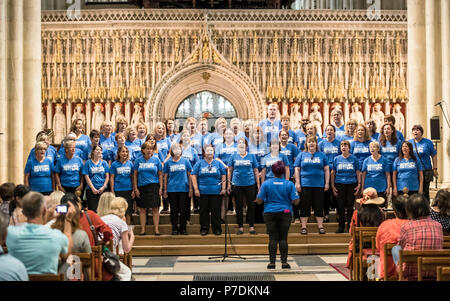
(224, 151)
(345, 137)
(312, 172)
(268, 161)
(191, 155)
(174, 138)
(340, 131)
(260, 151)
(38, 247)
(164, 147)
(96, 172)
(331, 150)
(107, 144)
(407, 173)
(40, 174)
(239, 136)
(293, 137)
(177, 179)
(291, 152)
(49, 153)
(375, 173)
(147, 170)
(62, 153)
(197, 144)
(213, 139)
(425, 148)
(375, 136)
(390, 152)
(345, 169)
(83, 142)
(11, 269)
(302, 144)
(400, 136)
(69, 171)
(301, 137)
(270, 129)
(122, 175)
(243, 174)
(277, 195)
(209, 176)
(360, 150)
(106, 155)
(134, 148)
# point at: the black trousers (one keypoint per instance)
(426, 189)
(210, 204)
(278, 227)
(345, 202)
(249, 194)
(92, 200)
(178, 203)
(329, 201)
(311, 196)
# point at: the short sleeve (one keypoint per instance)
(298, 160)
(255, 163)
(112, 170)
(433, 151)
(196, 168)
(395, 165)
(223, 170)
(57, 168)
(364, 165)
(355, 161)
(293, 192)
(105, 166)
(166, 168)
(230, 161)
(325, 160)
(85, 170)
(295, 152)
(262, 192)
(285, 160)
(188, 165)
(419, 165)
(28, 167)
(136, 164)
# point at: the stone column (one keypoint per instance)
(31, 74)
(444, 146)
(20, 84)
(417, 105)
(3, 103)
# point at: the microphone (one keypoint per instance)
(438, 103)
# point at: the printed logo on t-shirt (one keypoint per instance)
(206, 170)
(229, 150)
(389, 149)
(407, 165)
(146, 165)
(97, 169)
(177, 167)
(345, 166)
(82, 142)
(278, 183)
(330, 150)
(311, 160)
(242, 163)
(286, 152)
(374, 167)
(163, 145)
(123, 170)
(420, 149)
(41, 168)
(71, 167)
(359, 150)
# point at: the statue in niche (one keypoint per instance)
(315, 117)
(117, 112)
(399, 118)
(78, 114)
(296, 117)
(59, 124)
(97, 117)
(377, 115)
(356, 114)
(137, 115)
(43, 120)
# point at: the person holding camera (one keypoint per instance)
(39, 247)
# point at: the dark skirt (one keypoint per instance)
(127, 196)
(149, 196)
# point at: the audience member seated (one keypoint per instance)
(367, 214)
(419, 233)
(15, 207)
(11, 269)
(50, 202)
(389, 232)
(121, 233)
(38, 246)
(440, 210)
(6, 195)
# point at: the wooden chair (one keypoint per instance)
(88, 263)
(126, 258)
(46, 277)
(354, 269)
(388, 254)
(411, 257)
(443, 273)
(430, 263)
(364, 237)
(97, 253)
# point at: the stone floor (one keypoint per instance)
(253, 267)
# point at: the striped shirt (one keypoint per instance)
(117, 225)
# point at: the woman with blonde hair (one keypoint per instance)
(107, 141)
(38, 171)
(216, 138)
(82, 140)
(104, 203)
(123, 236)
(142, 131)
(359, 147)
(120, 126)
(132, 141)
(162, 140)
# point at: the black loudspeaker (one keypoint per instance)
(435, 128)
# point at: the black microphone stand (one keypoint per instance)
(225, 254)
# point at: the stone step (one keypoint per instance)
(166, 229)
(211, 239)
(241, 249)
(195, 219)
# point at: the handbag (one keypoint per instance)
(111, 262)
(428, 174)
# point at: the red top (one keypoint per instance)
(420, 234)
(102, 229)
(388, 232)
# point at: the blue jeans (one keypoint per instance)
(396, 253)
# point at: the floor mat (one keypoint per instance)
(342, 269)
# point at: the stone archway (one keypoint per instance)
(227, 81)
